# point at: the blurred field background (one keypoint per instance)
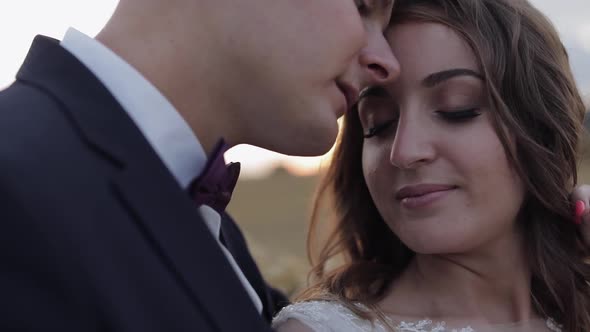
(271, 204)
(274, 213)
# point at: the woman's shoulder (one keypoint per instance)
(324, 316)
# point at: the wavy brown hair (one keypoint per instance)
(537, 107)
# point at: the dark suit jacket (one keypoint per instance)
(95, 233)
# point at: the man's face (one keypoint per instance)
(293, 67)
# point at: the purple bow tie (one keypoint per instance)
(215, 185)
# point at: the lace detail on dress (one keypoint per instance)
(553, 326)
(325, 316)
(332, 316)
(427, 325)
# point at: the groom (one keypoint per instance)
(112, 181)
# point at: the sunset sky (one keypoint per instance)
(21, 20)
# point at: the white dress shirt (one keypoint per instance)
(163, 127)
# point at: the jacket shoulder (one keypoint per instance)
(39, 143)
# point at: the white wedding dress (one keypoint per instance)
(333, 316)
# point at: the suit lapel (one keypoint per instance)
(146, 188)
(237, 246)
(171, 220)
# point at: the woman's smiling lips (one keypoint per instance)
(416, 196)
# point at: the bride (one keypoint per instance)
(450, 185)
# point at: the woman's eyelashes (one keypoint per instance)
(462, 115)
(457, 116)
(378, 129)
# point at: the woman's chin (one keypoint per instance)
(437, 243)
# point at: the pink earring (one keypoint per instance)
(580, 208)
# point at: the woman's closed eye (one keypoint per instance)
(373, 101)
(379, 129)
(457, 116)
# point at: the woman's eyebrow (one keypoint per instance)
(441, 76)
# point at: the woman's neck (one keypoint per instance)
(491, 284)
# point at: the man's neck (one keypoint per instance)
(183, 75)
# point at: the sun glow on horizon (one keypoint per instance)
(19, 24)
(259, 163)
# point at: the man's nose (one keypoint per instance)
(379, 65)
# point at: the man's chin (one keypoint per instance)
(315, 145)
(303, 145)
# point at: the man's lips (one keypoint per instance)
(350, 93)
(421, 190)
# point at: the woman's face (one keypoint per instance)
(432, 160)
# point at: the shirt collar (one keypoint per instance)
(161, 124)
